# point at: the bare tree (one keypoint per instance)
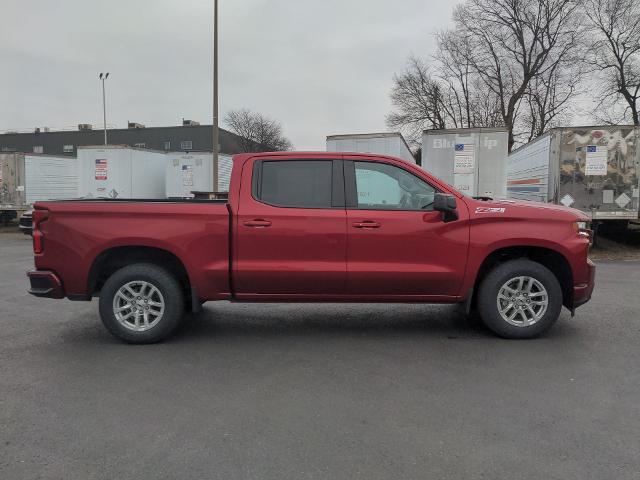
(450, 97)
(257, 133)
(468, 103)
(548, 97)
(510, 63)
(456, 72)
(512, 42)
(615, 53)
(485, 106)
(417, 99)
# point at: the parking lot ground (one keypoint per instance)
(283, 391)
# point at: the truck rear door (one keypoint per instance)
(290, 236)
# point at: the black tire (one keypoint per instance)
(493, 282)
(160, 279)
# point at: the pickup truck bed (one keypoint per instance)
(89, 235)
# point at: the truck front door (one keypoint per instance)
(397, 245)
(290, 236)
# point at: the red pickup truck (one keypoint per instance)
(321, 227)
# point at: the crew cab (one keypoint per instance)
(314, 227)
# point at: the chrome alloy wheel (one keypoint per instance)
(138, 306)
(522, 301)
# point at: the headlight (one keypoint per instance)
(583, 229)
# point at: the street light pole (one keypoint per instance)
(215, 96)
(103, 77)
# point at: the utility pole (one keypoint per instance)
(216, 142)
(103, 77)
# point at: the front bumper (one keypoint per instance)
(45, 283)
(582, 293)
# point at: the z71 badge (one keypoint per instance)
(490, 210)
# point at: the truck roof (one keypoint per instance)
(242, 157)
(313, 154)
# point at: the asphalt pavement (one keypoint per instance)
(289, 391)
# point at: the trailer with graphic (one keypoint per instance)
(592, 169)
(26, 178)
(12, 195)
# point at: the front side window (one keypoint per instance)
(294, 183)
(186, 145)
(67, 148)
(38, 149)
(381, 186)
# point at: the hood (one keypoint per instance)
(524, 208)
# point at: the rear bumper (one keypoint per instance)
(45, 284)
(25, 224)
(582, 293)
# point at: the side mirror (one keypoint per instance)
(446, 203)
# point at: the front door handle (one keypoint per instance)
(366, 224)
(257, 223)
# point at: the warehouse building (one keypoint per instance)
(188, 137)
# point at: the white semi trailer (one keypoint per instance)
(593, 169)
(27, 178)
(392, 144)
(116, 171)
(192, 172)
(50, 177)
(473, 160)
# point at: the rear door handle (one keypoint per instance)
(366, 224)
(257, 223)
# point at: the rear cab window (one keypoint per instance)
(299, 183)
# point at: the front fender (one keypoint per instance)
(489, 237)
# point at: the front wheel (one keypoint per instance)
(141, 303)
(519, 299)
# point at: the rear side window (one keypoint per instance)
(293, 183)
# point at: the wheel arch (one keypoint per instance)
(114, 258)
(555, 261)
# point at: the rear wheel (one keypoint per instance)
(520, 299)
(141, 303)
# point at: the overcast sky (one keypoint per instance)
(321, 67)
